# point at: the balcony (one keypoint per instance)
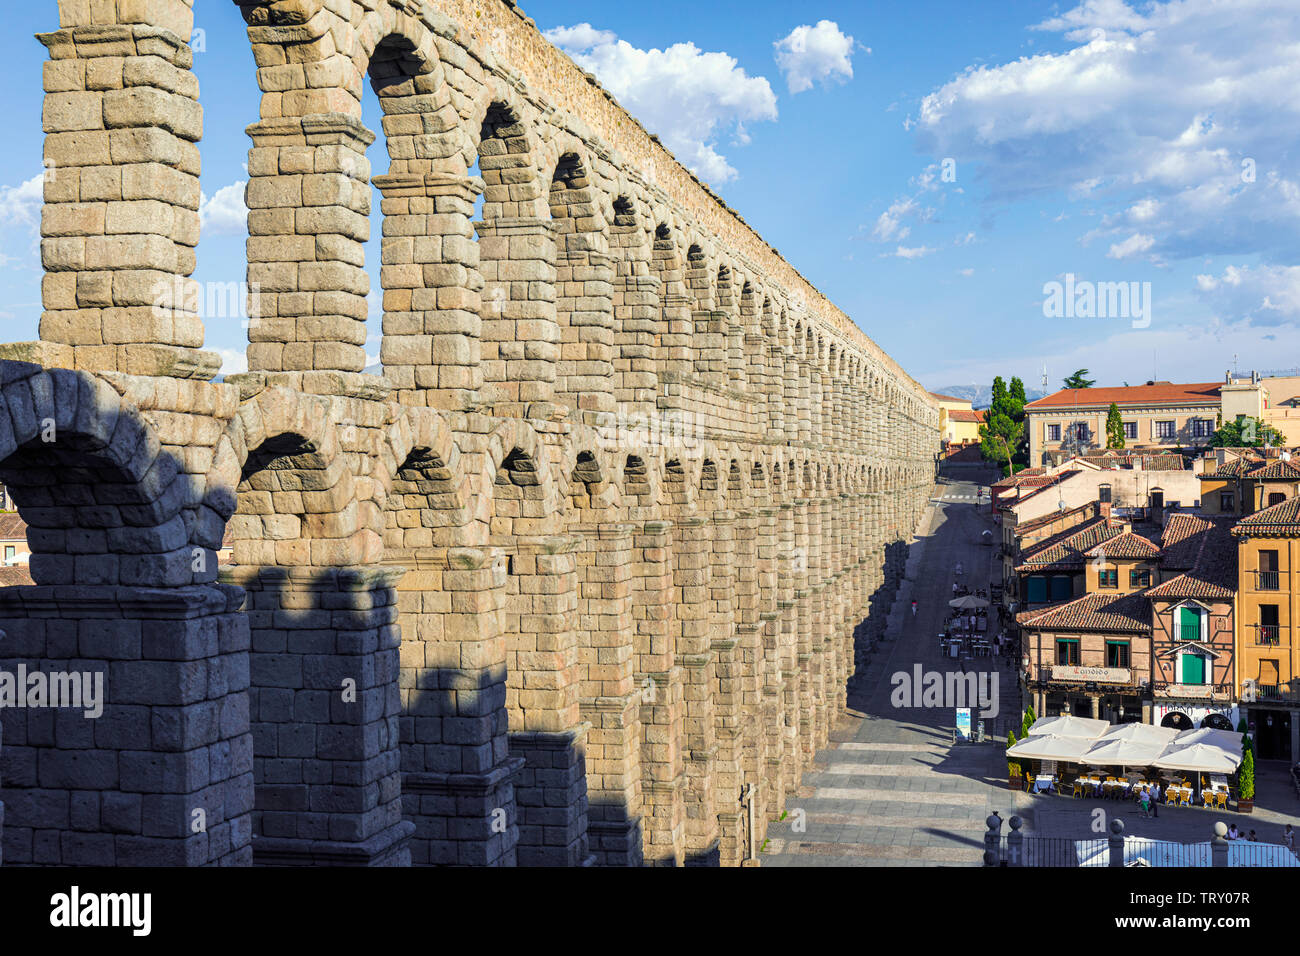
(1266, 581)
(1269, 635)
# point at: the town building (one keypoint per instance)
(1267, 649)
(959, 422)
(1240, 482)
(1193, 614)
(1157, 415)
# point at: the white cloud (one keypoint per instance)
(966, 272)
(890, 223)
(583, 36)
(685, 95)
(817, 54)
(233, 361)
(1173, 115)
(224, 211)
(914, 252)
(1263, 295)
(21, 205)
(1132, 246)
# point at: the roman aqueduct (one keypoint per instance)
(579, 578)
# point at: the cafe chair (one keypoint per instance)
(1078, 788)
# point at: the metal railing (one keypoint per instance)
(1266, 581)
(1269, 634)
(1016, 849)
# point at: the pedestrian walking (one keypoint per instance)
(1144, 801)
(1288, 838)
(1155, 798)
(913, 609)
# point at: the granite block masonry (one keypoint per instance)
(577, 578)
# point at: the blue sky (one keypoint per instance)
(1152, 143)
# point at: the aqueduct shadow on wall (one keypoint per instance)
(580, 577)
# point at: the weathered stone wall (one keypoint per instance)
(581, 574)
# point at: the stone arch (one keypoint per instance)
(101, 498)
(584, 306)
(423, 489)
(678, 490)
(638, 483)
(296, 499)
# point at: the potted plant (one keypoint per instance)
(1015, 774)
(1246, 783)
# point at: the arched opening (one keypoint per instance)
(584, 286)
(520, 340)
(637, 291)
(104, 696)
(675, 324)
(323, 692)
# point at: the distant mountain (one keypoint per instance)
(981, 395)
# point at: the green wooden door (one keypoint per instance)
(1193, 669)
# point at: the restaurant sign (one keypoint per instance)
(1101, 675)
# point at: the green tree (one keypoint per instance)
(1114, 428)
(1246, 432)
(1028, 721)
(1246, 776)
(1002, 436)
(1013, 765)
(1080, 380)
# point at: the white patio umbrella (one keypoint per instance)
(1067, 725)
(1142, 734)
(967, 601)
(1206, 758)
(1229, 740)
(1050, 747)
(1118, 752)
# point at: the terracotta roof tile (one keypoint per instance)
(1068, 549)
(12, 528)
(1130, 544)
(1237, 468)
(1275, 470)
(1165, 393)
(1036, 523)
(1282, 518)
(15, 575)
(1204, 550)
(1128, 613)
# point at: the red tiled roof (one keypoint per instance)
(1192, 584)
(1164, 393)
(948, 398)
(1067, 549)
(1237, 468)
(1275, 470)
(967, 415)
(15, 575)
(1036, 523)
(1126, 545)
(12, 528)
(1112, 459)
(1203, 548)
(1011, 481)
(1183, 538)
(1282, 518)
(1128, 613)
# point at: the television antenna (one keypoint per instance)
(1045, 379)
